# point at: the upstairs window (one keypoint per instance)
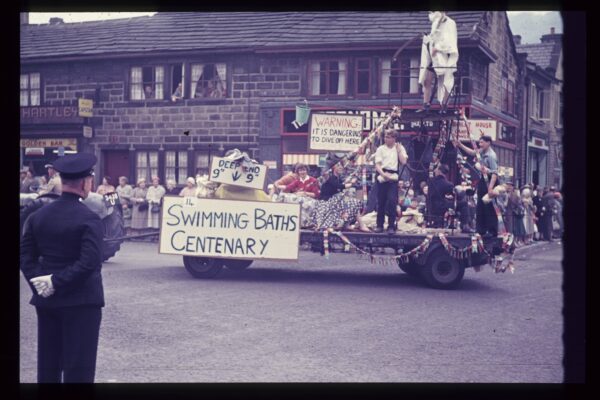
(30, 90)
(400, 76)
(147, 83)
(328, 78)
(363, 77)
(209, 81)
(508, 95)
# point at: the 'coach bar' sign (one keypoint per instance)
(192, 226)
(41, 115)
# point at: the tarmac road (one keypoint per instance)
(318, 320)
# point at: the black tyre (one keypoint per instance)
(238, 265)
(203, 267)
(411, 268)
(442, 271)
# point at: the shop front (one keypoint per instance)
(48, 133)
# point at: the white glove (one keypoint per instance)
(43, 285)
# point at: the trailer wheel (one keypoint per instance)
(442, 271)
(202, 267)
(238, 265)
(411, 268)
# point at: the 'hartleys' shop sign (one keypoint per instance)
(40, 115)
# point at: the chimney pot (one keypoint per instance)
(517, 39)
(552, 31)
(56, 21)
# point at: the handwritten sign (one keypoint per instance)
(229, 228)
(234, 173)
(334, 132)
(477, 128)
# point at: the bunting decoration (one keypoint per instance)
(364, 185)
(326, 243)
(508, 251)
(404, 257)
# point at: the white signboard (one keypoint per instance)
(87, 131)
(192, 226)
(234, 173)
(477, 128)
(335, 132)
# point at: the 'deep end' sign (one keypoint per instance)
(234, 173)
(192, 226)
(335, 132)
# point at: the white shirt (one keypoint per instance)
(388, 157)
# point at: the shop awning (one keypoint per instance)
(311, 159)
(308, 159)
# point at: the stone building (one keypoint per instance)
(542, 127)
(240, 84)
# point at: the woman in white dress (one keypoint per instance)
(154, 197)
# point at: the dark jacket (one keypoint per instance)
(439, 186)
(64, 238)
(332, 186)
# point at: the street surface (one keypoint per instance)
(319, 320)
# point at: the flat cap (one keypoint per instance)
(74, 166)
(48, 166)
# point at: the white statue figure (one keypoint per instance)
(440, 50)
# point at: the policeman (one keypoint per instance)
(61, 258)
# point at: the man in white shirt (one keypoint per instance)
(387, 157)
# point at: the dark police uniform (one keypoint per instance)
(439, 187)
(64, 239)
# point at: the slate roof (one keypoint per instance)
(539, 54)
(171, 31)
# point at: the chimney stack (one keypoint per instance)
(56, 21)
(24, 18)
(517, 39)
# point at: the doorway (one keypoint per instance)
(116, 164)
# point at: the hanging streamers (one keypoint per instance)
(364, 185)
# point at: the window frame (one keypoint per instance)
(370, 71)
(148, 167)
(29, 90)
(177, 167)
(154, 82)
(225, 81)
(413, 74)
(327, 85)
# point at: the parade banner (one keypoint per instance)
(192, 226)
(234, 173)
(334, 132)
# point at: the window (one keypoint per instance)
(327, 77)
(400, 76)
(559, 112)
(146, 165)
(178, 77)
(30, 89)
(508, 99)
(176, 163)
(363, 77)
(209, 80)
(147, 83)
(202, 162)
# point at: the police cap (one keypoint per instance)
(75, 166)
